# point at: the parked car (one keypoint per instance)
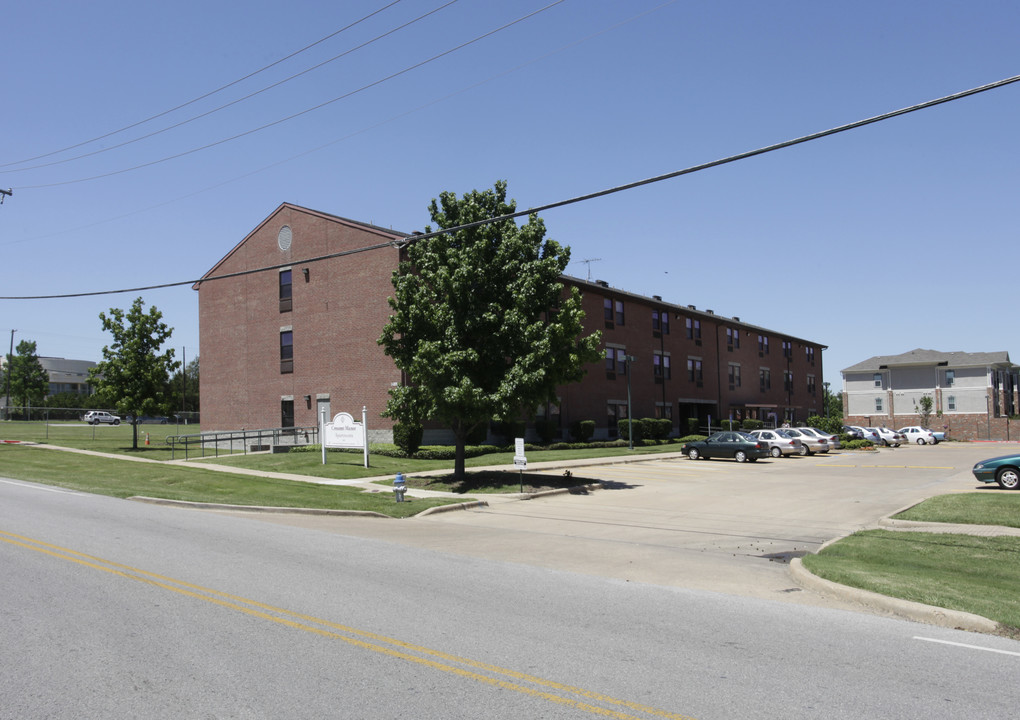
(855, 432)
(1004, 470)
(810, 443)
(779, 443)
(834, 443)
(94, 417)
(868, 434)
(918, 435)
(727, 444)
(889, 438)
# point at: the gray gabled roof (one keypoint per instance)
(931, 357)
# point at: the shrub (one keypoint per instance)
(730, 424)
(691, 438)
(631, 428)
(692, 426)
(830, 425)
(752, 424)
(658, 428)
(582, 430)
(857, 444)
(407, 437)
(546, 429)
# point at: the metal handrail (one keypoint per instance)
(309, 435)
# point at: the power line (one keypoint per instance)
(232, 102)
(201, 97)
(550, 206)
(305, 111)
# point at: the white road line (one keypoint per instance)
(971, 647)
(38, 487)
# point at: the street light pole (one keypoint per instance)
(630, 416)
(10, 361)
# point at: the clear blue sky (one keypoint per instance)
(878, 241)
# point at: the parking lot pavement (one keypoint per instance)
(708, 524)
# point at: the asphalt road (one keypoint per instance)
(116, 609)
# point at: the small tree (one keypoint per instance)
(480, 322)
(924, 409)
(27, 379)
(133, 375)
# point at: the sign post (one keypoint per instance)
(343, 432)
(520, 461)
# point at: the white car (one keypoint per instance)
(94, 417)
(779, 442)
(918, 434)
(888, 437)
(868, 434)
(811, 443)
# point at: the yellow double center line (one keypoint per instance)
(504, 678)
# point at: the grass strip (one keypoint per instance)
(977, 508)
(979, 575)
(116, 478)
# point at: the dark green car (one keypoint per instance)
(1004, 470)
(736, 445)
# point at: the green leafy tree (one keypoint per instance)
(183, 388)
(29, 383)
(133, 375)
(480, 322)
(924, 409)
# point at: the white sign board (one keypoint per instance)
(343, 432)
(519, 459)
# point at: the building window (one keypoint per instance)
(660, 322)
(788, 381)
(607, 312)
(734, 377)
(811, 384)
(286, 351)
(732, 339)
(287, 413)
(694, 373)
(763, 344)
(787, 349)
(619, 312)
(810, 351)
(764, 379)
(952, 402)
(286, 290)
(660, 365)
(616, 362)
(693, 329)
(664, 411)
(950, 378)
(878, 380)
(878, 405)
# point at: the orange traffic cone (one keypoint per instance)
(146, 438)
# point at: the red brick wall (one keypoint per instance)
(337, 316)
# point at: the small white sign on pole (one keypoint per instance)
(344, 432)
(519, 459)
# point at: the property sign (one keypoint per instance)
(343, 432)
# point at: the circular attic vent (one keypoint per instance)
(284, 237)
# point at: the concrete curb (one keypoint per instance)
(295, 510)
(918, 612)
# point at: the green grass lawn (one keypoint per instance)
(959, 572)
(106, 476)
(101, 438)
(977, 508)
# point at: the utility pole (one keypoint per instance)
(10, 360)
(5, 194)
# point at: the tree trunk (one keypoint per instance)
(458, 463)
(134, 432)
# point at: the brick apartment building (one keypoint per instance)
(973, 394)
(278, 345)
